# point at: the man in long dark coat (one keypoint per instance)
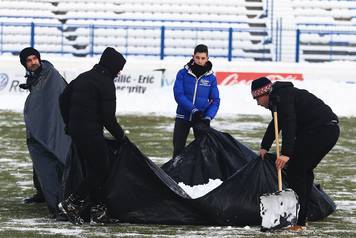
(47, 142)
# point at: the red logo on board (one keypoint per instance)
(231, 78)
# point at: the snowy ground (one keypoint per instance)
(153, 135)
(239, 115)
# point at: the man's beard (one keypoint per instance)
(34, 67)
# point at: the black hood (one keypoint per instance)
(112, 60)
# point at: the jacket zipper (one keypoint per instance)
(195, 92)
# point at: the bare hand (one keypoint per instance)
(281, 161)
(262, 153)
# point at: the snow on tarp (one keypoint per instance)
(200, 190)
(138, 191)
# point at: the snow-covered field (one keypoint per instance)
(239, 115)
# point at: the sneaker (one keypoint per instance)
(36, 198)
(297, 228)
(99, 215)
(71, 207)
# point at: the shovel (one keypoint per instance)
(279, 209)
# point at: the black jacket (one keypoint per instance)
(298, 111)
(92, 104)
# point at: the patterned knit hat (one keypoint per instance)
(260, 86)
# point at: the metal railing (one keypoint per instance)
(325, 45)
(66, 40)
(232, 43)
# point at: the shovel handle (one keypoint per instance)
(276, 133)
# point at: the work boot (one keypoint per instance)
(60, 216)
(36, 198)
(99, 215)
(71, 207)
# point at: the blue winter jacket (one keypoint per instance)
(194, 94)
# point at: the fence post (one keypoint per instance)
(229, 56)
(277, 41)
(91, 40)
(1, 37)
(331, 48)
(162, 43)
(280, 38)
(297, 46)
(32, 43)
(62, 39)
(126, 41)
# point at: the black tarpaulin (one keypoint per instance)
(141, 192)
(218, 155)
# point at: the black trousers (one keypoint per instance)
(49, 172)
(180, 135)
(36, 182)
(93, 153)
(310, 147)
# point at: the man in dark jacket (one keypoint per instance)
(309, 131)
(91, 107)
(47, 143)
(38, 197)
(197, 96)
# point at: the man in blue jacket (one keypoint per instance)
(197, 96)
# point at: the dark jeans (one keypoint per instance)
(180, 135)
(310, 147)
(93, 153)
(36, 182)
(49, 171)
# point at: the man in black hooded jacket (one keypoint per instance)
(309, 131)
(87, 107)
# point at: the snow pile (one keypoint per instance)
(200, 190)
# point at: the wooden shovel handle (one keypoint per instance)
(276, 133)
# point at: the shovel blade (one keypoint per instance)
(279, 209)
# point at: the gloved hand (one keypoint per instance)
(24, 86)
(202, 126)
(197, 116)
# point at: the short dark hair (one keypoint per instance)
(201, 49)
